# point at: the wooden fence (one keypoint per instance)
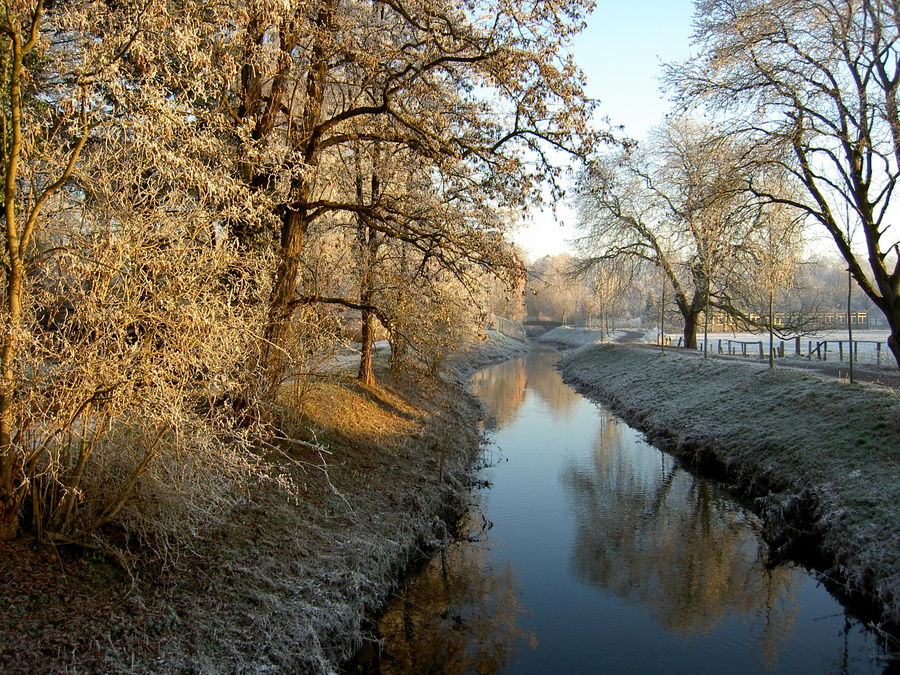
(862, 351)
(873, 352)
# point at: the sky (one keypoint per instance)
(620, 52)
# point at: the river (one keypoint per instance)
(590, 551)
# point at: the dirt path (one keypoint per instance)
(630, 336)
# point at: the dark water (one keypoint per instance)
(592, 552)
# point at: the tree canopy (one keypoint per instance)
(813, 84)
(191, 187)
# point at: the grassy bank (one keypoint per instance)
(570, 337)
(821, 456)
(378, 476)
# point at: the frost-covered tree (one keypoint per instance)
(774, 252)
(126, 317)
(164, 164)
(677, 204)
(814, 84)
(477, 93)
(553, 292)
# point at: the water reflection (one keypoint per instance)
(460, 616)
(654, 535)
(560, 399)
(502, 388)
(606, 557)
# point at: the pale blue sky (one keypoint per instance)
(620, 52)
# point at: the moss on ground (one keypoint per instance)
(777, 434)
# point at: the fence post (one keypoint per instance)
(720, 345)
(855, 351)
(761, 355)
(841, 350)
(781, 349)
(878, 353)
(825, 351)
(797, 346)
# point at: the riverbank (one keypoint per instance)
(819, 456)
(290, 581)
(569, 337)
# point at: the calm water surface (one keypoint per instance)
(591, 552)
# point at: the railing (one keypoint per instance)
(872, 351)
(863, 351)
(731, 347)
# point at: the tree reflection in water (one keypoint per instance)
(459, 616)
(679, 579)
(502, 387)
(560, 398)
(657, 536)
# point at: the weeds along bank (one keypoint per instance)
(820, 456)
(288, 580)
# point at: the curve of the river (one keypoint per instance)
(590, 551)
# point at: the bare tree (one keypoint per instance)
(126, 318)
(677, 204)
(813, 84)
(553, 291)
(37, 163)
(774, 250)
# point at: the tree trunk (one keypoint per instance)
(850, 322)
(366, 297)
(11, 491)
(706, 333)
(368, 250)
(11, 478)
(281, 308)
(690, 330)
(295, 216)
(894, 338)
(889, 304)
(771, 327)
(690, 312)
(366, 376)
(10, 459)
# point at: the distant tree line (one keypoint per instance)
(578, 291)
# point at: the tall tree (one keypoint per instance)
(814, 84)
(38, 160)
(774, 253)
(477, 93)
(677, 204)
(115, 320)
